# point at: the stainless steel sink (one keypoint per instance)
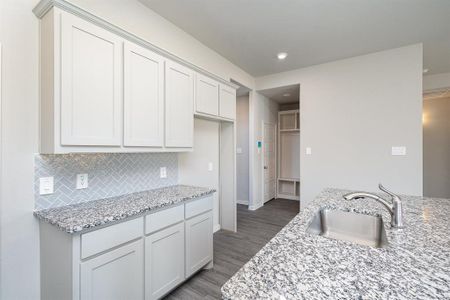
(349, 226)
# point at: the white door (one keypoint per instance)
(115, 275)
(199, 242)
(143, 97)
(227, 102)
(269, 159)
(179, 106)
(164, 261)
(206, 95)
(91, 81)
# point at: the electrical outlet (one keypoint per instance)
(45, 185)
(238, 150)
(210, 166)
(308, 151)
(398, 150)
(163, 172)
(82, 181)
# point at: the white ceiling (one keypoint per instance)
(250, 33)
(283, 94)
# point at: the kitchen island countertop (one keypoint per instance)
(299, 265)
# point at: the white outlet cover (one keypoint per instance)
(398, 150)
(82, 181)
(45, 185)
(163, 172)
(210, 166)
(308, 151)
(238, 150)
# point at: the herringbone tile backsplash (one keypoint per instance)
(109, 175)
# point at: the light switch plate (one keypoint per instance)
(45, 185)
(308, 151)
(398, 150)
(82, 181)
(238, 150)
(163, 172)
(210, 166)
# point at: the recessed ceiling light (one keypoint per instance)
(282, 55)
(425, 71)
(286, 95)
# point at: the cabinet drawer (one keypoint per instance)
(199, 206)
(164, 218)
(103, 239)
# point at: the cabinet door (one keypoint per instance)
(206, 95)
(117, 274)
(143, 97)
(227, 107)
(91, 77)
(199, 242)
(179, 106)
(164, 261)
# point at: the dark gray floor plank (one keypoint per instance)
(233, 249)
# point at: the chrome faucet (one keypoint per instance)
(395, 209)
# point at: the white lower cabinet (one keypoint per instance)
(118, 274)
(137, 259)
(199, 242)
(164, 261)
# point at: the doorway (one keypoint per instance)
(281, 143)
(436, 143)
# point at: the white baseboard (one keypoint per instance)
(216, 227)
(255, 206)
(244, 202)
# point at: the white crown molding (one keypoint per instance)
(45, 5)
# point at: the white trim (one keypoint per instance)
(1, 149)
(216, 228)
(251, 146)
(255, 207)
(45, 5)
(243, 202)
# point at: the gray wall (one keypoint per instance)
(242, 141)
(193, 166)
(352, 112)
(436, 147)
(109, 175)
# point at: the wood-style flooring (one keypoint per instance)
(233, 250)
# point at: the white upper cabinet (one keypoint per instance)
(103, 90)
(143, 97)
(227, 100)
(179, 106)
(91, 75)
(206, 95)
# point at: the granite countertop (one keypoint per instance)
(299, 265)
(80, 217)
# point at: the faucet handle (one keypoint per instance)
(381, 187)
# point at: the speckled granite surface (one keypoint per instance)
(78, 217)
(299, 265)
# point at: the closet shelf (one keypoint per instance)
(289, 130)
(289, 179)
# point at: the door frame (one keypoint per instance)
(263, 123)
